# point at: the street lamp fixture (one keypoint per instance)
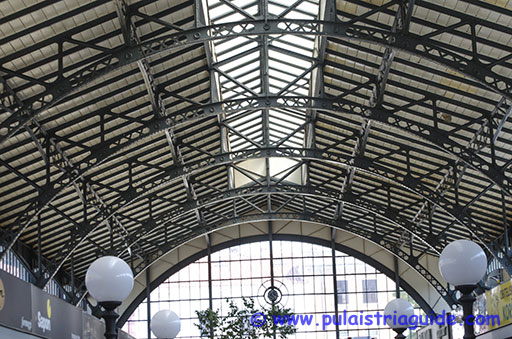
(463, 264)
(109, 280)
(165, 324)
(398, 313)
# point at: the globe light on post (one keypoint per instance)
(165, 324)
(109, 280)
(397, 314)
(463, 264)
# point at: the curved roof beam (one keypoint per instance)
(174, 213)
(409, 257)
(114, 59)
(390, 214)
(176, 172)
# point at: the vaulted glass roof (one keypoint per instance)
(131, 127)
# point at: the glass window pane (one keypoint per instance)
(303, 273)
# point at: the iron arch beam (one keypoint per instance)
(407, 42)
(360, 163)
(409, 258)
(363, 164)
(412, 260)
(174, 214)
(279, 237)
(105, 151)
(390, 214)
(159, 221)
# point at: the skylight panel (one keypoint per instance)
(251, 78)
(290, 61)
(280, 166)
(246, 72)
(285, 116)
(220, 10)
(306, 8)
(236, 46)
(295, 44)
(252, 57)
(293, 65)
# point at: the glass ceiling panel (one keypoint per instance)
(239, 63)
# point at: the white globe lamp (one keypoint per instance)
(165, 324)
(398, 313)
(109, 280)
(463, 264)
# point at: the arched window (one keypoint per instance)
(304, 274)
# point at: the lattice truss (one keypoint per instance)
(133, 127)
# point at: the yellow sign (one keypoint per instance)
(48, 308)
(499, 302)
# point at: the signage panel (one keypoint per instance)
(499, 301)
(15, 306)
(28, 308)
(54, 318)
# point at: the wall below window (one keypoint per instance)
(11, 334)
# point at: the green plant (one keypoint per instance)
(241, 323)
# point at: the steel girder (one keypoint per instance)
(400, 26)
(131, 38)
(201, 16)
(104, 151)
(388, 213)
(407, 42)
(85, 191)
(52, 150)
(361, 163)
(317, 88)
(409, 257)
(478, 141)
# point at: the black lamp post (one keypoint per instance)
(463, 264)
(400, 333)
(466, 301)
(110, 317)
(109, 280)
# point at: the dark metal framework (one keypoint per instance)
(143, 125)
